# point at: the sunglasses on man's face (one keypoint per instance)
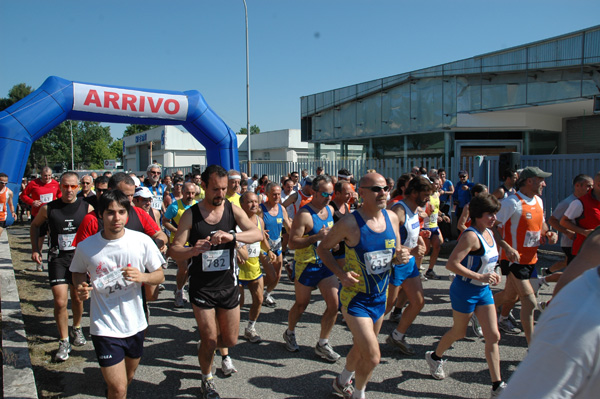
(71, 186)
(377, 189)
(325, 195)
(463, 176)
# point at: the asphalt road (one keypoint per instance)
(169, 367)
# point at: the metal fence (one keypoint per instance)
(482, 169)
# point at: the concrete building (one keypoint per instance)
(537, 98)
(174, 148)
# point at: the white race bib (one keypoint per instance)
(532, 239)
(253, 250)
(215, 261)
(378, 262)
(157, 202)
(113, 284)
(45, 198)
(65, 242)
(1, 207)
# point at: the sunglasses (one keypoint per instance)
(462, 176)
(71, 186)
(325, 195)
(179, 184)
(1, 182)
(377, 189)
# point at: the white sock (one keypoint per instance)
(323, 341)
(346, 376)
(358, 394)
(289, 332)
(251, 324)
(206, 376)
(397, 336)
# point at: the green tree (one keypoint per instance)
(135, 129)
(15, 94)
(253, 130)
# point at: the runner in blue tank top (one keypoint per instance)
(473, 260)
(372, 244)
(310, 226)
(407, 275)
(275, 217)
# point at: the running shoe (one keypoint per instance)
(436, 367)
(422, 276)
(476, 326)
(179, 301)
(269, 301)
(227, 366)
(395, 317)
(77, 336)
(542, 305)
(401, 344)
(345, 391)
(508, 327)
(431, 275)
(290, 342)
(451, 276)
(64, 348)
(326, 352)
(251, 335)
(161, 287)
(209, 391)
(40, 268)
(498, 391)
(512, 319)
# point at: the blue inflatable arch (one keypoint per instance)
(57, 100)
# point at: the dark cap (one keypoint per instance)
(308, 180)
(533, 171)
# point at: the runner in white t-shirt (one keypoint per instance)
(117, 260)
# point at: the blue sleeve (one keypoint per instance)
(171, 211)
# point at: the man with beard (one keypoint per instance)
(209, 227)
(156, 187)
(62, 216)
(523, 231)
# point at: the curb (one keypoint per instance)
(19, 381)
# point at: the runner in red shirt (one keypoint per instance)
(37, 193)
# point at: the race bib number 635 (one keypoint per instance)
(378, 262)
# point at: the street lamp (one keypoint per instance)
(248, 96)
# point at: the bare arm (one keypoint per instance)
(34, 234)
(587, 258)
(11, 206)
(555, 223)
(469, 242)
(290, 200)
(343, 230)
(301, 224)
(568, 224)
(287, 222)
(511, 253)
(178, 250)
(461, 225)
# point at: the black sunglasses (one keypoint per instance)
(377, 189)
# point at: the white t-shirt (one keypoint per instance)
(564, 356)
(558, 213)
(574, 210)
(116, 308)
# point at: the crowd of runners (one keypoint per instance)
(361, 243)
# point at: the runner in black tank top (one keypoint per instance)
(209, 227)
(64, 216)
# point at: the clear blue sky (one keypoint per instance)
(296, 47)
